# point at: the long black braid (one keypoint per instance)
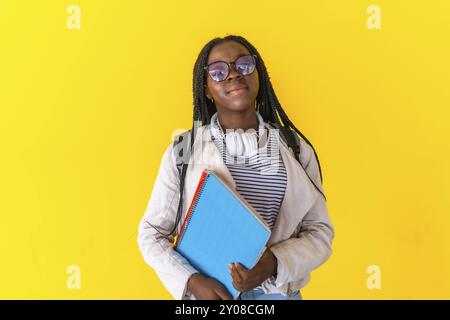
(267, 105)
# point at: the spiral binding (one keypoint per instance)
(197, 195)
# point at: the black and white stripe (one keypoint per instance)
(261, 179)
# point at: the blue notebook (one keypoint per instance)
(220, 228)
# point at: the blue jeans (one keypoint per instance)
(258, 294)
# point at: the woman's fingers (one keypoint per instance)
(240, 270)
(240, 277)
(235, 277)
(234, 274)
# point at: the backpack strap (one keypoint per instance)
(180, 145)
(291, 138)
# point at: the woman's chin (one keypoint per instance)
(239, 105)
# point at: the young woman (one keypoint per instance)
(236, 117)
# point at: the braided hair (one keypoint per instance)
(267, 105)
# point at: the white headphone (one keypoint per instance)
(238, 142)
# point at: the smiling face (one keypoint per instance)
(224, 99)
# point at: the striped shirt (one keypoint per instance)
(260, 178)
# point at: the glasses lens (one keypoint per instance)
(218, 71)
(245, 65)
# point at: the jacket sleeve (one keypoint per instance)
(158, 251)
(312, 245)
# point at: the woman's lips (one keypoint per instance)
(237, 91)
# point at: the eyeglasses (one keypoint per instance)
(219, 70)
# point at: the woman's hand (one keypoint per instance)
(245, 280)
(205, 288)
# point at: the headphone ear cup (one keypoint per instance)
(234, 144)
(249, 142)
(239, 144)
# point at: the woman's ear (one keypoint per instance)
(208, 95)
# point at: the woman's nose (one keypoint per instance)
(234, 74)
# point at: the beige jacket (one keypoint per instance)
(301, 238)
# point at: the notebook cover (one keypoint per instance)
(220, 228)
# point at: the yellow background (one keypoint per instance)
(86, 114)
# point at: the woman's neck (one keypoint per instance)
(232, 120)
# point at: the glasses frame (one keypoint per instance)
(229, 66)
